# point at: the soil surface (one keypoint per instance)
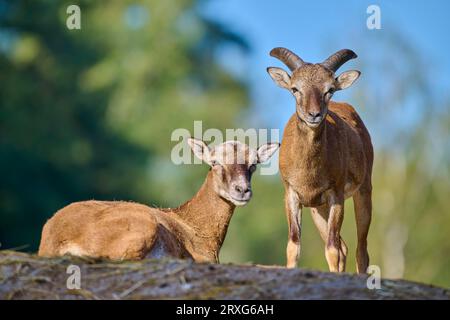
(24, 276)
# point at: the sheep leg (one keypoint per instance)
(320, 218)
(362, 200)
(333, 242)
(294, 214)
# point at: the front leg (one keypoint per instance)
(333, 241)
(294, 217)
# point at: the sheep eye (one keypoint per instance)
(252, 168)
(294, 90)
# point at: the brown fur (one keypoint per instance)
(341, 145)
(333, 160)
(326, 156)
(129, 231)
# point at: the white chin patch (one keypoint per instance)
(313, 125)
(238, 203)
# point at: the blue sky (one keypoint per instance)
(315, 29)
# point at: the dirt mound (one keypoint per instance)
(24, 276)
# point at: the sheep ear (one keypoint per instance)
(200, 149)
(346, 79)
(280, 77)
(266, 151)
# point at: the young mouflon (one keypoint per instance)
(326, 156)
(121, 230)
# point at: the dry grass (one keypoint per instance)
(24, 276)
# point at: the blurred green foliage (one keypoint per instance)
(89, 114)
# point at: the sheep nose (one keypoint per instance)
(314, 114)
(241, 189)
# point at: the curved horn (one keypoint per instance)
(289, 58)
(335, 61)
